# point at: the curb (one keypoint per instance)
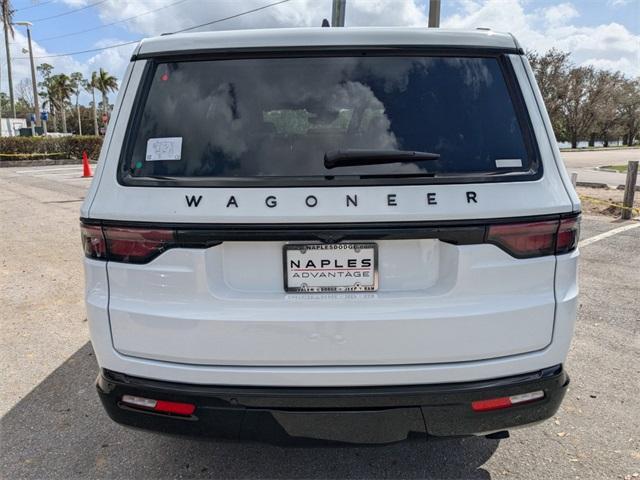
(592, 184)
(604, 185)
(622, 187)
(40, 162)
(599, 149)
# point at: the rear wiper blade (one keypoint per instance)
(397, 175)
(356, 157)
(159, 177)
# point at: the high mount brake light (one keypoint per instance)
(536, 239)
(128, 245)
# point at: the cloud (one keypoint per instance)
(559, 14)
(193, 12)
(295, 13)
(621, 64)
(113, 60)
(609, 44)
(20, 60)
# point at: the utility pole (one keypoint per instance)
(6, 44)
(36, 103)
(337, 13)
(434, 13)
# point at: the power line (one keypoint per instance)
(69, 12)
(109, 24)
(34, 6)
(82, 51)
(136, 41)
(232, 16)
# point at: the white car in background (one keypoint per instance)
(350, 234)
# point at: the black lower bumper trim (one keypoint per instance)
(354, 414)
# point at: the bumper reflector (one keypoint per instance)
(161, 406)
(506, 402)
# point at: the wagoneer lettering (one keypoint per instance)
(351, 200)
(365, 229)
(193, 201)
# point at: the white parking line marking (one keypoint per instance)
(610, 233)
(45, 170)
(58, 174)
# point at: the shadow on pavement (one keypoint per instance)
(60, 431)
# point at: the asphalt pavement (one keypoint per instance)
(53, 425)
(585, 163)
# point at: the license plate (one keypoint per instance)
(339, 267)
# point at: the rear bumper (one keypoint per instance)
(356, 415)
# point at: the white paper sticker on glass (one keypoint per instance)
(509, 163)
(168, 148)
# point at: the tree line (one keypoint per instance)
(585, 103)
(57, 90)
(60, 93)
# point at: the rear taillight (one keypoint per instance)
(93, 242)
(141, 245)
(137, 245)
(535, 239)
(568, 235)
(129, 245)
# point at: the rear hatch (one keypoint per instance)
(330, 208)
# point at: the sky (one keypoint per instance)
(602, 33)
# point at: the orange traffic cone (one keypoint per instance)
(86, 168)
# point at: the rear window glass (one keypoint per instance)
(270, 118)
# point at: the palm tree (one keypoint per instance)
(105, 83)
(90, 86)
(62, 91)
(76, 83)
(46, 71)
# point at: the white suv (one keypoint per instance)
(353, 234)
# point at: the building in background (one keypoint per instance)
(11, 126)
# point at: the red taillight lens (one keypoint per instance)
(136, 245)
(525, 239)
(93, 242)
(129, 245)
(535, 239)
(162, 406)
(506, 402)
(491, 404)
(175, 407)
(568, 235)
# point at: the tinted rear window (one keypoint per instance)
(275, 118)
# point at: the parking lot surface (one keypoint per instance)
(54, 427)
(586, 163)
